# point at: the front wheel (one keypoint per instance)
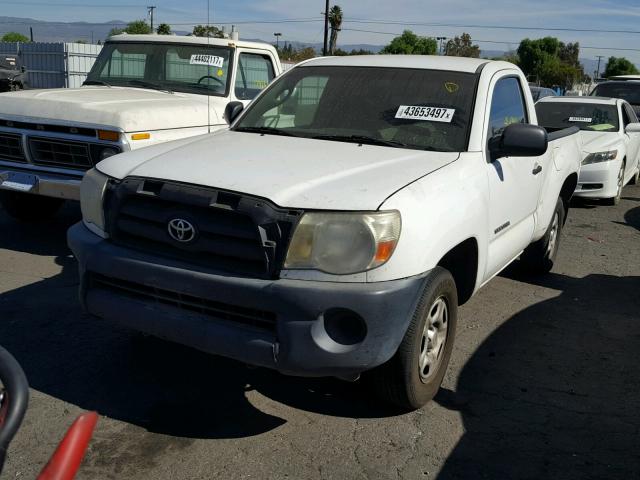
(412, 377)
(540, 256)
(28, 207)
(616, 200)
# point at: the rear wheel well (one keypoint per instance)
(462, 262)
(566, 192)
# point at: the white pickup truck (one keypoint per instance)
(142, 90)
(370, 197)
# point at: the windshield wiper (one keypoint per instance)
(265, 130)
(96, 82)
(153, 86)
(362, 139)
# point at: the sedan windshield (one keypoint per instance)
(163, 66)
(403, 108)
(586, 116)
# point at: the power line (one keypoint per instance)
(489, 27)
(500, 42)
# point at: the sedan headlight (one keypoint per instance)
(92, 190)
(343, 243)
(600, 157)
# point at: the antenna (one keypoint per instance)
(208, 81)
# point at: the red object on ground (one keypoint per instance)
(66, 460)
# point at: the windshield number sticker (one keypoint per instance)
(580, 119)
(208, 60)
(431, 114)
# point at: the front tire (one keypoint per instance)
(616, 200)
(27, 207)
(540, 256)
(412, 377)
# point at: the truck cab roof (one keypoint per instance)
(221, 42)
(426, 62)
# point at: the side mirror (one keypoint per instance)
(632, 128)
(23, 69)
(519, 140)
(232, 110)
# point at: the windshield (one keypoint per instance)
(628, 91)
(407, 108)
(586, 116)
(182, 68)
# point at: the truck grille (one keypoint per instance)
(232, 233)
(11, 147)
(59, 153)
(218, 310)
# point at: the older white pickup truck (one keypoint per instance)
(371, 196)
(142, 90)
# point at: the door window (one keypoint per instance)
(254, 74)
(507, 106)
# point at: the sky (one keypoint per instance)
(377, 22)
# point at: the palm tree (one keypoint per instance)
(335, 20)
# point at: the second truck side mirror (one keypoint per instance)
(519, 140)
(232, 110)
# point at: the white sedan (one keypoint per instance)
(611, 141)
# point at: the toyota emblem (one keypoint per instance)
(181, 230)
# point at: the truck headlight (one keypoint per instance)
(92, 190)
(343, 243)
(600, 157)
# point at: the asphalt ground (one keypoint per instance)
(544, 381)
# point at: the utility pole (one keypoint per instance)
(599, 57)
(150, 10)
(277, 35)
(326, 28)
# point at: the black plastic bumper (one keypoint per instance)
(299, 343)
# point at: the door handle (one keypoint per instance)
(537, 169)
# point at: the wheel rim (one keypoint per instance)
(553, 235)
(434, 339)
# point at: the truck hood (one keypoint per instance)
(291, 172)
(593, 142)
(131, 109)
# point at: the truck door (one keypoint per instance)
(254, 71)
(514, 182)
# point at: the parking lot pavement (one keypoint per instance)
(544, 380)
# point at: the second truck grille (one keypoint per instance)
(59, 153)
(11, 147)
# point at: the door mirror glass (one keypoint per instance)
(519, 140)
(232, 111)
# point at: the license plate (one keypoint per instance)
(22, 182)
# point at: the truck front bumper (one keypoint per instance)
(313, 328)
(40, 183)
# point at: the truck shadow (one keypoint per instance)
(554, 392)
(160, 386)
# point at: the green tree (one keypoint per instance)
(462, 47)
(550, 62)
(619, 66)
(137, 27)
(14, 37)
(335, 20)
(164, 29)
(207, 31)
(411, 44)
(342, 53)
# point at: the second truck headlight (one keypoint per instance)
(92, 190)
(343, 243)
(600, 157)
